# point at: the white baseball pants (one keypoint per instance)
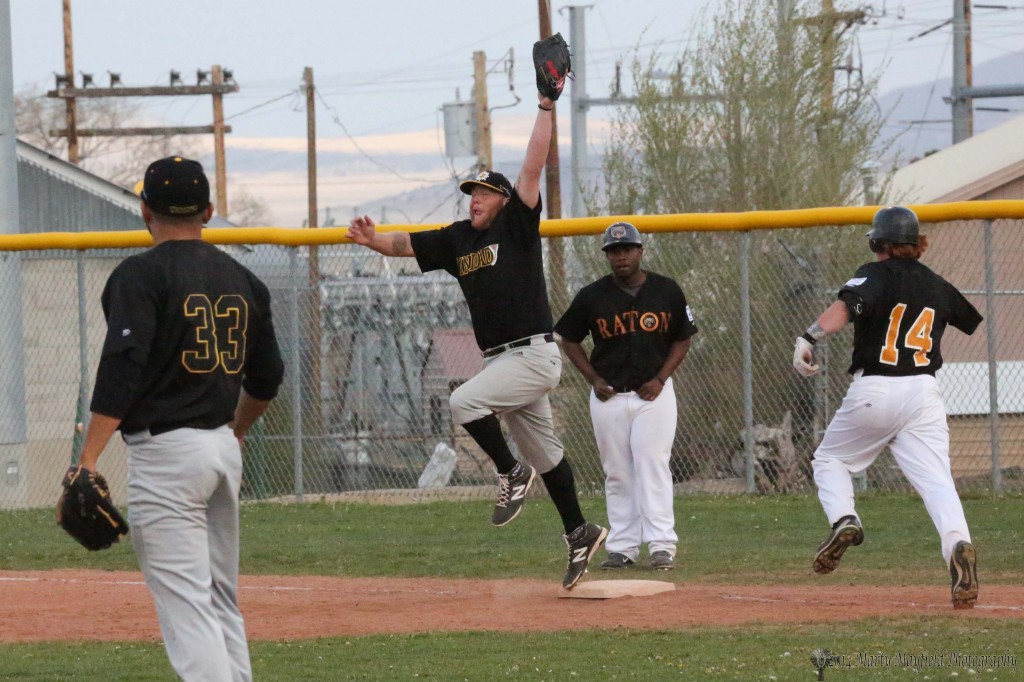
(634, 437)
(515, 386)
(183, 509)
(907, 414)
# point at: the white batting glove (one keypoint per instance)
(803, 358)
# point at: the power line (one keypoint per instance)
(337, 120)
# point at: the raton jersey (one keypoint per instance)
(900, 309)
(500, 270)
(187, 326)
(631, 335)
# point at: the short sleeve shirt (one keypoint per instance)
(632, 334)
(900, 311)
(500, 271)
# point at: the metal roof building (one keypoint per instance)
(57, 196)
(989, 165)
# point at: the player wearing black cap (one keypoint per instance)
(189, 363)
(642, 329)
(900, 310)
(496, 256)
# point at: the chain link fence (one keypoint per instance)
(373, 349)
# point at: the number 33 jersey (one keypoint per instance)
(900, 309)
(187, 327)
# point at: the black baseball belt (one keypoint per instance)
(534, 340)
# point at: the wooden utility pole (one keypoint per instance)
(962, 103)
(71, 107)
(828, 20)
(222, 84)
(483, 114)
(313, 334)
(553, 192)
(218, 142)
(552, 168)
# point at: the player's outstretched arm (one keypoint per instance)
(528, 184)
(362, 230)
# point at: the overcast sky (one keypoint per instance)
(383, 69)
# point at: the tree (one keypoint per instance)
(247, 210)
(121, 160)
(743, 121)
(751, 116)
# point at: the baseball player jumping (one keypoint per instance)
(642, 328)
(189, 363)
(496, 256)
(899, 309)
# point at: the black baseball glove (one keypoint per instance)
(85, 511)
(552, 63)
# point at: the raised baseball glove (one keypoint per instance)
(85, 511)
(552, 63)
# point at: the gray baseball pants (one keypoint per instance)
(183, 509)
(515, 386)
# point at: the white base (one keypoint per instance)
(609, 589)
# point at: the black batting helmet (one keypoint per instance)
(896, 225)
(621, 233)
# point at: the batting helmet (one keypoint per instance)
(621, 233)
(894, 224)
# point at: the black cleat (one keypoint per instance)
(963, 570)
(512, 489)
(583, 543)
(616, 561)
(662, 561)
(845, 533)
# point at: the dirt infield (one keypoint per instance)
(45, 605)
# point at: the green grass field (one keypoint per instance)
(745, 540)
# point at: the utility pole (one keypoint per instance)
(553, 189)
(552, 167)
(218, 142)
(964, 93)
(483, 115)
(70, 106)
(578, 106)
(828, 20)
(222, 84)
(962, 104)
(313, 334)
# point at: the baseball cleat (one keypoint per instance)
(583, 543)
(846, 532)
(662, 561)
(616, 561)
(963, 570)
(512, 489)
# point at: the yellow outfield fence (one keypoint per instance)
(565, 227)
(374, 347)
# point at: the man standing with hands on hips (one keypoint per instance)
(189, 363)
(642, 329)
(496, 256)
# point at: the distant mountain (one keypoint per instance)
(920, 122)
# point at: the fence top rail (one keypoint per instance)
(565, 227)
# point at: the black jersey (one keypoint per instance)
(900, 309)
(500, 270)
(187, 326)
(631, 335)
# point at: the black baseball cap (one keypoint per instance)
(489, 179)
(176, 186)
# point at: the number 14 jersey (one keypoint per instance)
(900, 309)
